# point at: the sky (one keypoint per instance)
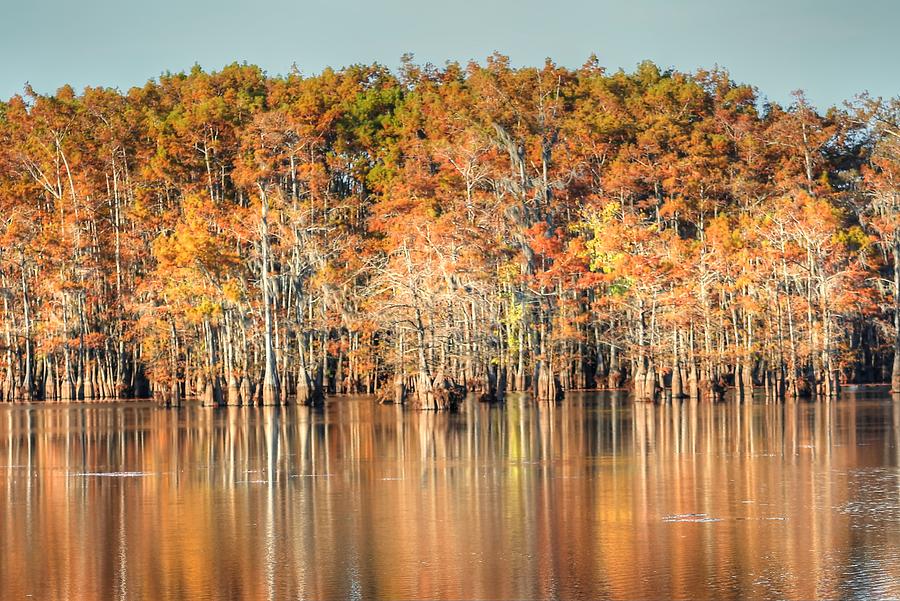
(831, 49)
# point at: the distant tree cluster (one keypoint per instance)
(436, 231)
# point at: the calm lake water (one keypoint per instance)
(591, 498)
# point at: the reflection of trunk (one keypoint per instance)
(270, 377)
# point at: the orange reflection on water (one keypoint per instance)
(591, 498)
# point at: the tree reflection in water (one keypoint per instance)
(594, 497)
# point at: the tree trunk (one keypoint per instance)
(270, 387)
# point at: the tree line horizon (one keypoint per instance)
(424, 234)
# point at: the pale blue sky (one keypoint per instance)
(831, 49)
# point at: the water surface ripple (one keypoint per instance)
(591, 498)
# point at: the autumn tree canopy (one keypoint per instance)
(245, 238)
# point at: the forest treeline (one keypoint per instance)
(427, 232)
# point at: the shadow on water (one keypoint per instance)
(592, 497)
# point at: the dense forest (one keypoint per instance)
(425, 233)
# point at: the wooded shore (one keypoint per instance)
(432, 232)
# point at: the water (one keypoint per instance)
(592, 498)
